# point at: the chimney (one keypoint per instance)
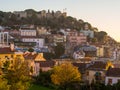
(12, 46)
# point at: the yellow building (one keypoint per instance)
(7, 54)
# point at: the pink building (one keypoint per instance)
(76, 38)
(15, 32)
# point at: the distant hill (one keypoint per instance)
(49, 19)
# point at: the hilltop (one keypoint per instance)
(54, 20)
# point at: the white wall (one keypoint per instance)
(28, 32)
(114, 80)
(39, 41)
(91, 75)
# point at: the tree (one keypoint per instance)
(3, 84)
(101, 36)
(59, 50)
(18, 75)
(44, 78)
(6, 65)
(48, 56)
(94, 40)
(65, 74)
(31, 50)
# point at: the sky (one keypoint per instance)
(103, 14)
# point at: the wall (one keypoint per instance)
(114, 80)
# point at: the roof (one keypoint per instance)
(85, 48)
(81, 66)
(86, 59)
(29, 37)
(30, 56)
(97, 65)
(47, 63)
(113, 72)
(5, 50)
(27, 29)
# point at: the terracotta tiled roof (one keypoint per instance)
(86, 59)
(5, 50)
(98, 65)
(113, 72)
(47, 63)
(30, 56)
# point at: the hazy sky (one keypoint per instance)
(103, 14)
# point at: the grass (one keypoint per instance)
(36, 87)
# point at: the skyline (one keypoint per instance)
(103, 14)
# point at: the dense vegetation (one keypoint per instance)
(51, 22)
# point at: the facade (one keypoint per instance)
(27, 31)
(4, 36)
(46, 65)
(116, 54)
(8, 54)
(97, 71)
(78, 55)
(76, 38)
(88, 33)
(112, 76)
(39, 41)
(33, 59)
(14, 32)
(89, 50)
(100, 51)
(41, 31)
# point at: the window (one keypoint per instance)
(109, 81)
(119, 80)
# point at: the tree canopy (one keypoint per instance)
(59, 50)
(65, 74)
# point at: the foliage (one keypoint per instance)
(44, 78)
(94, 40)
(6, 65)
(31, 50)
(65, 74)
(18, 76)
(59, 50)
(48, 56)
(10, 19)
(3, 84)
(101, 36)
(37, 87)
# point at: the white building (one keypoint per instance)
(39, 41)
(28, 31)
(112, 76)
(78, 55)
(4, 38)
